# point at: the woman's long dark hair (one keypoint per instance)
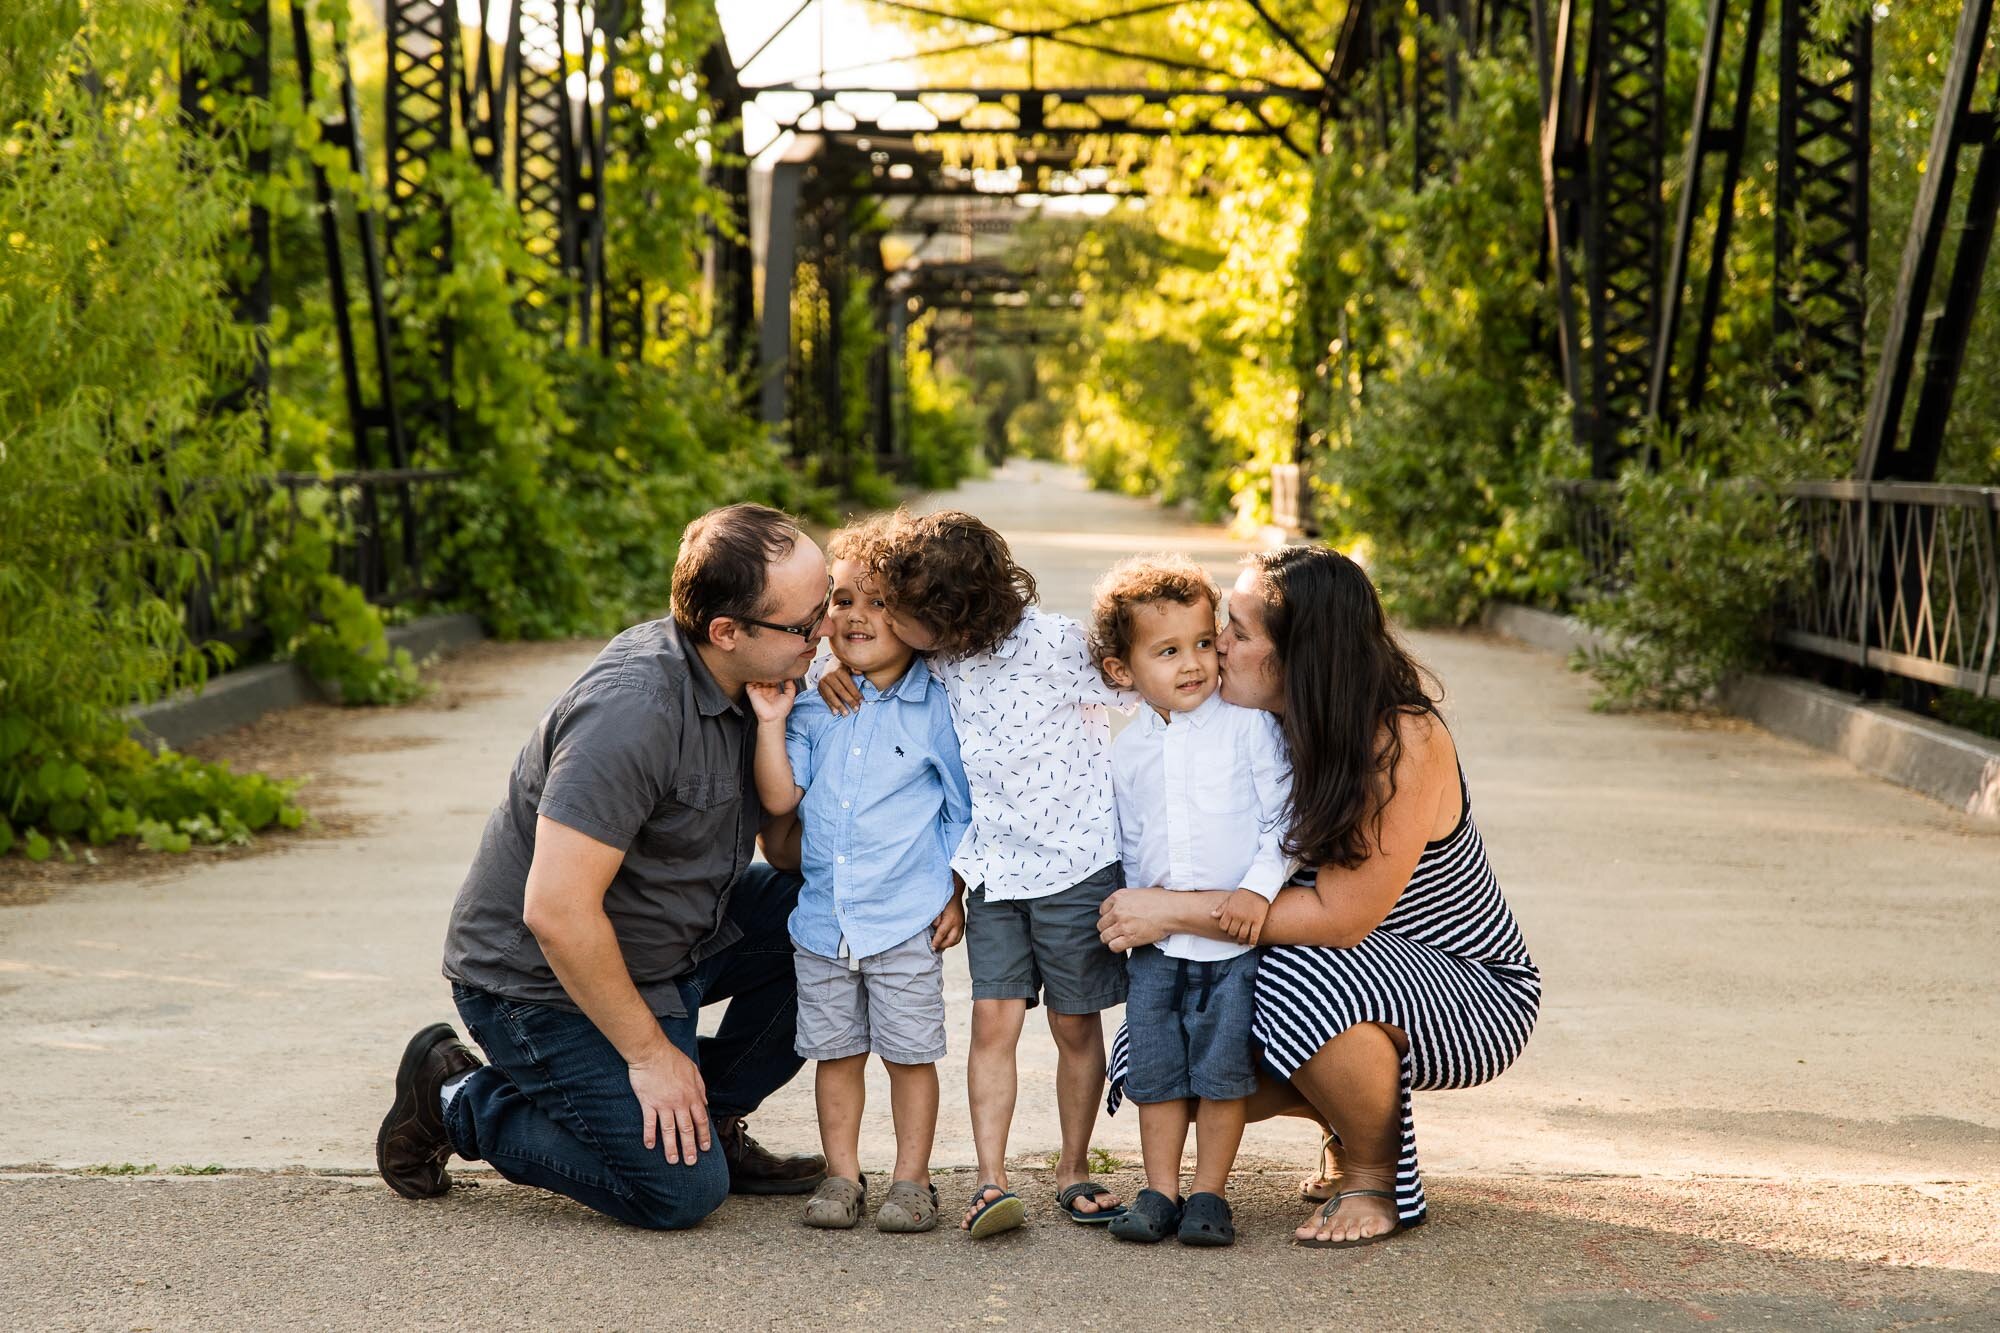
(1347, 682)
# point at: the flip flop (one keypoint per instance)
(1087, 1189)
(1326, 1212)
(994, 1216)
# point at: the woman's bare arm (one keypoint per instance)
(1344, 905)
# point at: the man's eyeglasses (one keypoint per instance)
(805, 628)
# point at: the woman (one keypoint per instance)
(1396, 964)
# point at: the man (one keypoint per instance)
(612, 896)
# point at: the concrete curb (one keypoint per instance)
(1945, 763)
(239, 698)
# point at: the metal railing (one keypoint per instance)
(387, 524)
(1904, 577)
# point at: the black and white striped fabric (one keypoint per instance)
(1447, 966)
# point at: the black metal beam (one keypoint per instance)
(1706, 137)
(1887, 452)
(1820, 302)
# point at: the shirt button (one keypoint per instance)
(840, 860)
(845, 804)
(857, 749)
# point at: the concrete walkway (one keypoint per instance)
(1761, 1091)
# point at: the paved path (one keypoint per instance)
(1762, 1087)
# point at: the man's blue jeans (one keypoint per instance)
(555, 1107)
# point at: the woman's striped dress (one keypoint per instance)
(1447, 966)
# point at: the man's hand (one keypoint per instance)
(771, 702)
(949, 928)
(842, 695)
(673, 1104)
(1242, 915)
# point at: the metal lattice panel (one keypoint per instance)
(541, 113)
(1433, 80)
(1626, 223)
(1823, 88)
(422, 38)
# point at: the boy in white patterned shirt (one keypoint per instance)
(1030, 709)
(1201, 788)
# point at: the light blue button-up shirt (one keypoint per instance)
(885, 806)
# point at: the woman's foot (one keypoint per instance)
(1356, 1214)
(1320, 1188)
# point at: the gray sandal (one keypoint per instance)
(836, 1205)
(908, 1207)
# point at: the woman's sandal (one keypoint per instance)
(836, 1205)
(993, 1216)
(1152, 1218)
(1322, 1188)
(1206, 1220)
(1325, 1214)
(1087, 1189)
(908, 1207)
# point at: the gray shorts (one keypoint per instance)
(893, 1005)
(1049, 947)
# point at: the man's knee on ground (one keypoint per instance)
(673, 1198)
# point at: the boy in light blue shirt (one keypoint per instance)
(883, 803)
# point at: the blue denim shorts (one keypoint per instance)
(1188, 1027)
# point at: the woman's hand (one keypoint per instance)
(1130, 918)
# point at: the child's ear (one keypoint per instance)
(1117, 672)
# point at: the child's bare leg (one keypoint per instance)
(1163, 1130)
(913, 1100)
(991, 1083)
(840, 1089)
(1218, 1129)
(1079, 1083)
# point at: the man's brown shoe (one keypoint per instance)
(752, 1170)
(412, 1147)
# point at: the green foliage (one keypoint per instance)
(940, 427)
(1421, 327)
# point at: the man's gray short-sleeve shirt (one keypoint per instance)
(646, 753)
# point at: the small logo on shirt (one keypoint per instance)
(899, 752)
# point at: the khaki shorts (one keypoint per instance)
(892, 1005)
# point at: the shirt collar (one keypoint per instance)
(708, 695)
(1204, 713)
(914, 684)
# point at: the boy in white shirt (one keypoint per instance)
(1201, 786)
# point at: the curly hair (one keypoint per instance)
(1140, 581)
(861, 541)
(954, 576)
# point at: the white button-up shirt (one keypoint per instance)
(1034, 732)
(1201, 798)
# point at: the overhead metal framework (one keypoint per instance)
(865, 163)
